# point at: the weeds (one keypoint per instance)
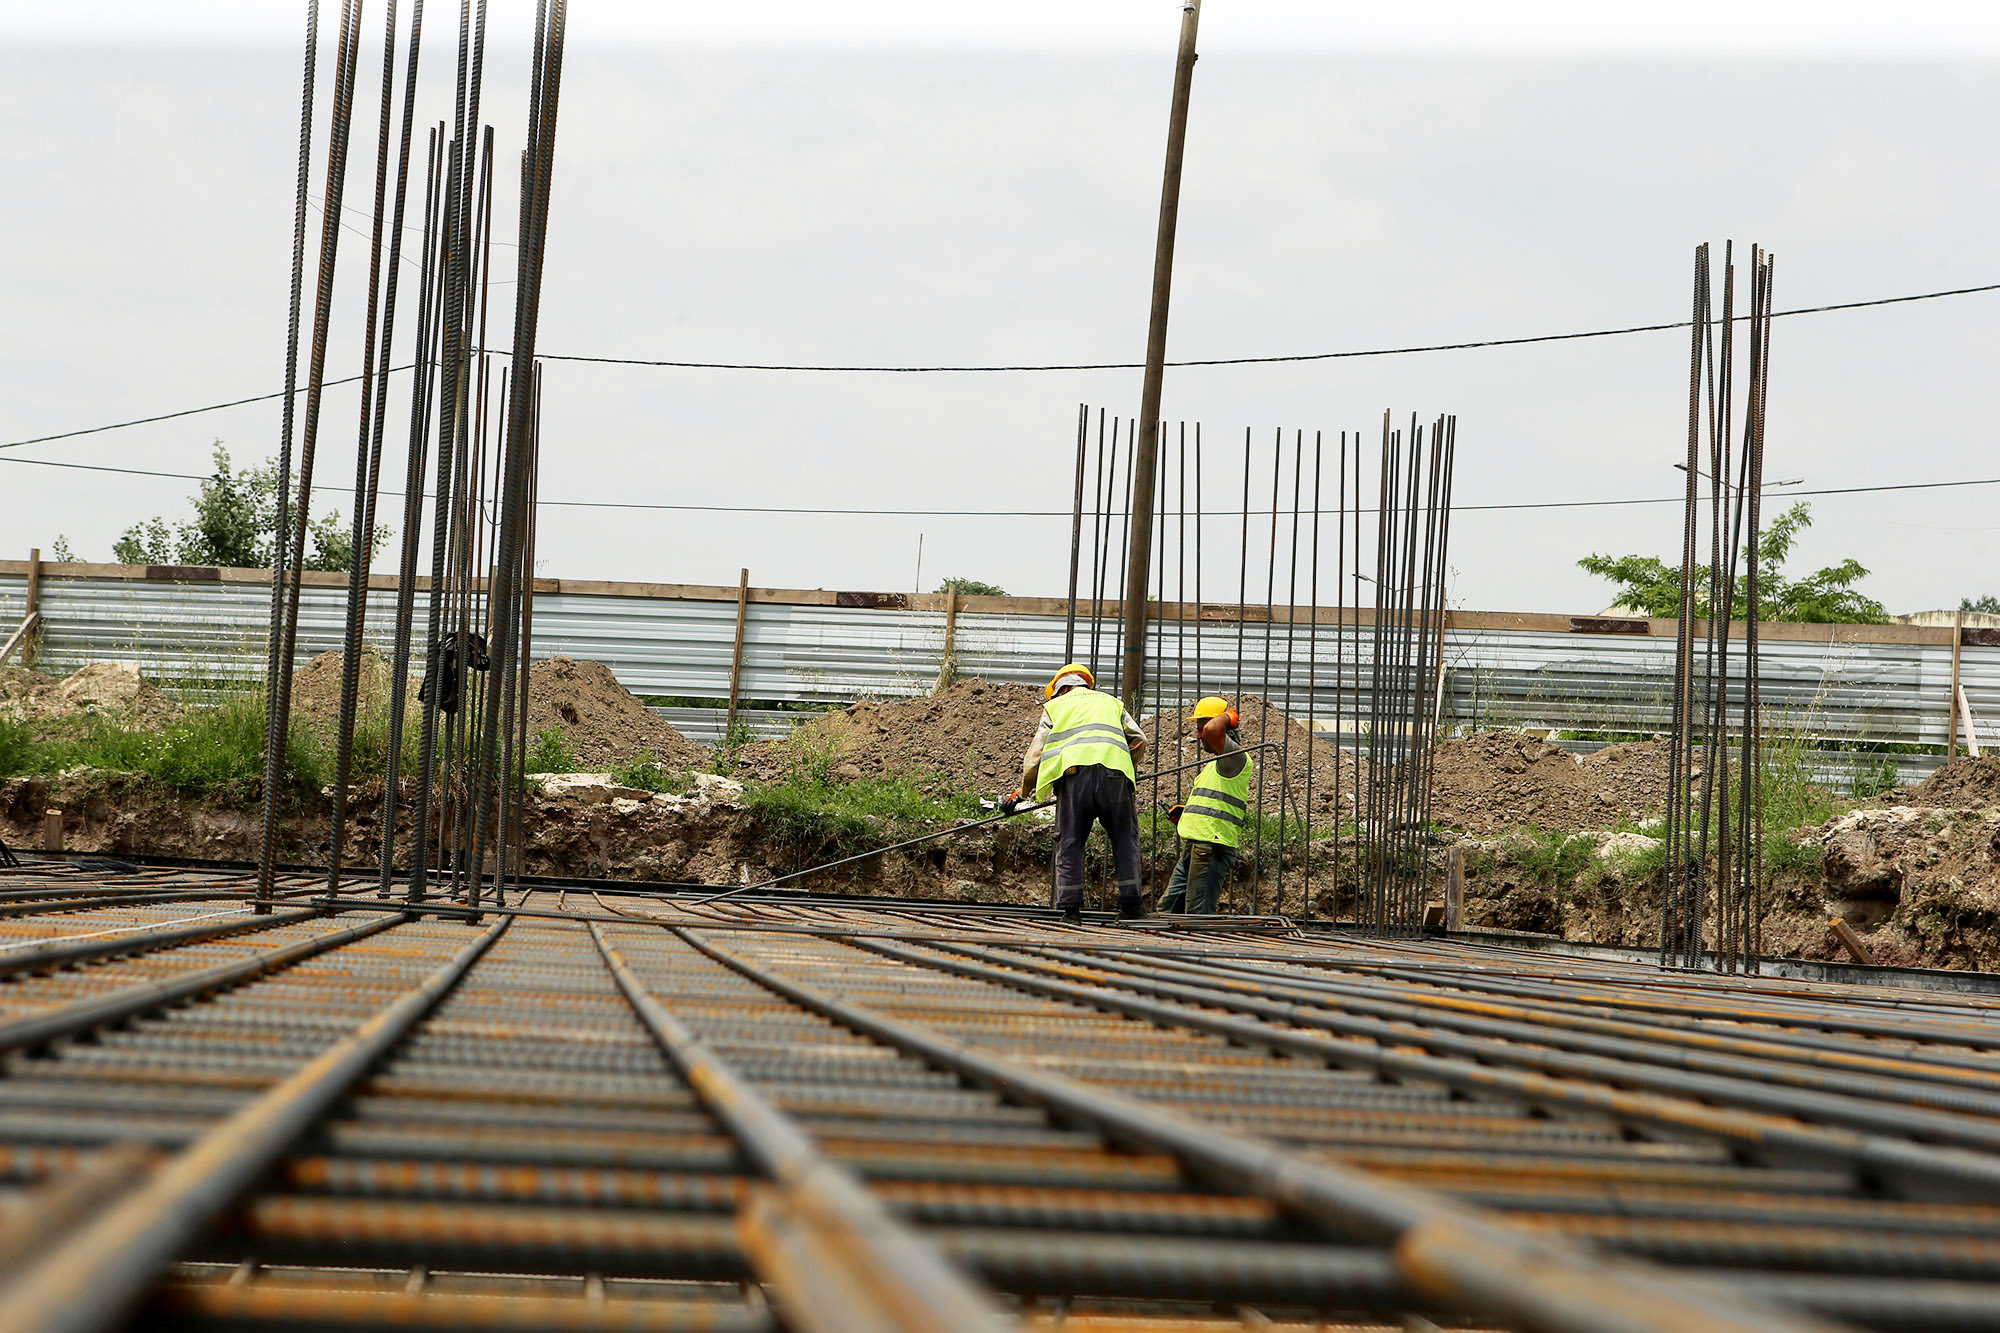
(551, 752)
(211, 751)
(649, 774)
(811, 817)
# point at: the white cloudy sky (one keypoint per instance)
(897, 182)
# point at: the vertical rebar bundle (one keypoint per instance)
(1381, 697)
(477, 643)
(1714, 822)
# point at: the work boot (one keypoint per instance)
(1131, 908)
(1072, 916)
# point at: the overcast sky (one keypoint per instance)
(906, 183)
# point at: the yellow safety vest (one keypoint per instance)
(1085, 727)
(1218, 806)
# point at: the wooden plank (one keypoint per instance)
(1850, 942)
(1971, 735)
(874, 601)
(23, 634)
(1608, 625)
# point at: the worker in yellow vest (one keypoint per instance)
(1211, 823)
(1084, 752)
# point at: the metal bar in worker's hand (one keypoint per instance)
(911, 842)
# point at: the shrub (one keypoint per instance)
(551, 752)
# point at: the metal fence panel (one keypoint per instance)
(191, 633)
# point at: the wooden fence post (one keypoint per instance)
(1951, 705)
(34, 605)
(948, 669)
(736, 655)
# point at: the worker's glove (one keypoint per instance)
(1010, 802)
(1174, 813)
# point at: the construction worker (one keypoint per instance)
(1211, 823)
(1084, 752)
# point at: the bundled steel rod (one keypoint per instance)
(938, 1114)
(1386, 685)
(1714, 837)
(474, 697)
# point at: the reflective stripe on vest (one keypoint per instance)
(1085, 727)
(1219, 806)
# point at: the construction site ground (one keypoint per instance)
(1550, 843)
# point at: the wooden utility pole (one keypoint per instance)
(1146, 455)
(736, 654)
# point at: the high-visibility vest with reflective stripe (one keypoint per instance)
(1085, 727)
(1218, 806)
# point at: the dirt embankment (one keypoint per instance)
(112, 688)
(603, 722)
(969, 737)
(1498, 780)
(606, 723)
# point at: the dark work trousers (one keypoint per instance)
(1200, 872)
(1087, 795)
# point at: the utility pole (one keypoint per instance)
(1146, 455)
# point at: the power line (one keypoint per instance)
(169, 416)
(1053, 367)
(1012, 513)
(1250, 360)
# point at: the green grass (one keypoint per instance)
(649, 774)
(215, 751)
(550, 752)
(810, 819)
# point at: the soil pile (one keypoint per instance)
(1962, 784)
(316, 689)
(968, 738)
(1333, 772)
(100, 687)
(603, 720)
(1496, 780)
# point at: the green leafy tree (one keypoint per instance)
(1989, 604)
(235, 520)
(1825, 596)
(972, 588)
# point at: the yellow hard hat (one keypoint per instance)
(1073, 669)
(1213, 706)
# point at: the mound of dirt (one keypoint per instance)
(971, 738)
(316, 688)
(21, 688)
(603, 720)
(968, 738)
(1332, 771)
(100, 687)
(1495, 780)
(1962, 784)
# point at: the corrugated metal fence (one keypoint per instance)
(1846, 687)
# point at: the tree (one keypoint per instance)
(1989, 604)
(972, 588)
(235, 517)
(1825, 596)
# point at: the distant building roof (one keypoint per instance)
(1973, 619)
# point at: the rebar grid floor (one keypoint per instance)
(602, 1111)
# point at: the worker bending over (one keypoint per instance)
(1211, 823)
(1084, 752)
